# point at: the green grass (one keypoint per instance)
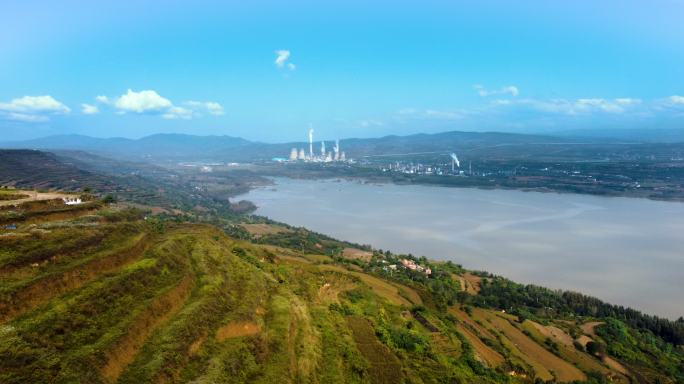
(155, 317)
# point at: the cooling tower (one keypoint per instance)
(293, 154)
(329, 157)
(302, 155)
(342, 157)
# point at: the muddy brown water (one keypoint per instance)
(626, 251)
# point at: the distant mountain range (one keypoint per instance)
(226, 148)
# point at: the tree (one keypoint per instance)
(109, 199)
(521, 318)
(87, 190)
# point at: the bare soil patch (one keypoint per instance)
(474, 281)
(580, 359)
(584, 340)
(413, 296)
(461, 281)
(237, 329)
(352, 253)
(531, 349)
(487, 356)
(264, 229)
(615, 365)
(34, 196)
(588, 328)
(329, 292)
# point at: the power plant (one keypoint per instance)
(325, 157)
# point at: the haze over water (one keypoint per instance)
(622, 250)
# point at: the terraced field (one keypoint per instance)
(103, 296)
(381, 288)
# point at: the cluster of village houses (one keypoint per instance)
(408, 264)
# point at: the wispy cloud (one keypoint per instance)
(282, 57)
(430, 114)
(483, 92)
(24, 117)
(212, 108)
(89, 109)
(569, 107)
(371, 122)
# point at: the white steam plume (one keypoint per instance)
(453, 156)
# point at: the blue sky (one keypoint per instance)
(351, 69)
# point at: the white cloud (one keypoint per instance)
(212, 108)
(676, 99)
(143, 101)
(151, 103)
(512, 90)
(32, 109)
(89, 109)
(35, 104)
(282, 56)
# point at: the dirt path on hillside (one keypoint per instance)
(33, 196)
(588, 328)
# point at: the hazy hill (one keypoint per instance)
(24, 168)
(226, 148)
(642, 135)
(159, 145)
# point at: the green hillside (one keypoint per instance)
(106, 295)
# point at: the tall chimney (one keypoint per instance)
(311, 141)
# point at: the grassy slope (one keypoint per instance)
(109, 298)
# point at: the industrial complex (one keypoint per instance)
(330, 156)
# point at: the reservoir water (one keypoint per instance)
(625, 251)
